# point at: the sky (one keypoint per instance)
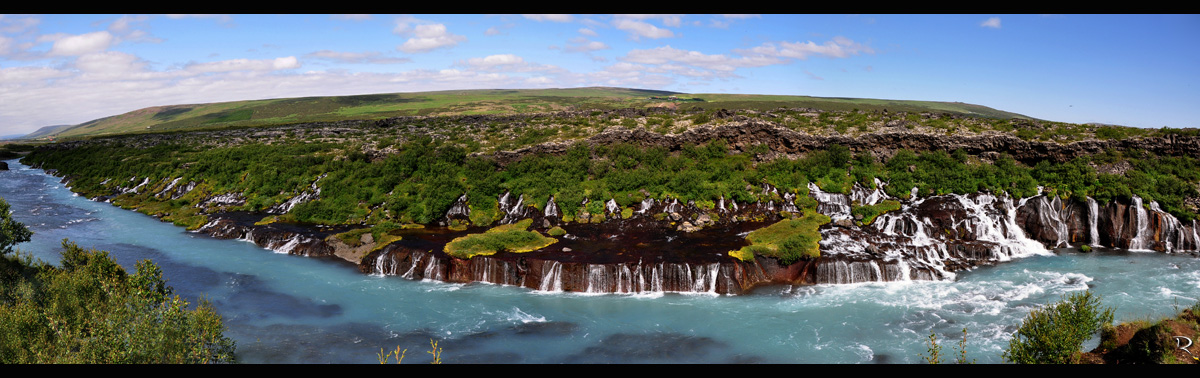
(1134, 70)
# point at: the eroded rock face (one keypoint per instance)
(883, 144)
(929, 238)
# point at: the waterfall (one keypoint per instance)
(415, 258)
(646, 204)
(1001, 228)
(433, 270)
(672, 207)
(380, 270)
(835, 205)
(1171, 232)
(1094, 221)
(459, 208)
(789, 203)
(1195, 236)
(551, 208)
(504, 202)
(290, 245)
(868, 197)
(1138, 242)
(168, 189)
(597, 278)
(551, 276)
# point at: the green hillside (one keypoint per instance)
(462, 102)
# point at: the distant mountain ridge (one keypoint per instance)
(463, 102)
(43, 132)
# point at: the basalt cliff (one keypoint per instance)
(668, 245)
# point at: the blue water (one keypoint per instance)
(290, 309)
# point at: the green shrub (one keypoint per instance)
(1055, 334)
(11, 231)
(92, 311)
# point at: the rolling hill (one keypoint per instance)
(461, 102)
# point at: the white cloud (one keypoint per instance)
(13, 75)
(11, 25)
(672, 20)
(584, 45)
(245, 65)
(639, 29)
(125, 23)
(719, 62)
(109, 63)
(426, 36)
(993, 22)
(587, 32)
(496, 60)
(82, 44)
(507, 63)
(351, 57)
(839, 47)
(549, 17)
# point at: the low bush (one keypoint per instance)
(1055, 334)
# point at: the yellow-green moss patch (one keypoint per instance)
(788, 240)
(503, 238)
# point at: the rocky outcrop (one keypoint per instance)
(3, 166)
(884, 143)
(281, 238)
(927, 239)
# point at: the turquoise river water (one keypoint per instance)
(290, 309)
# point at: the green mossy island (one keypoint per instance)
(505, 238)
(789, 240)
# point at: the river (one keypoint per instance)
(289, 309)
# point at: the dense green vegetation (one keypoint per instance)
(421, 179)
(11, 231)
(12, 150)
(90, 310)
(412, 172)
(1055, 334)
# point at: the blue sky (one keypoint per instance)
(1134, 70)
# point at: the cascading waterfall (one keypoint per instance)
(612, 207)
(433, 270)
(415, 257)
(551, 208)
(964, 230)
(1001, 228)
(1170, 231)
(1138, 242)
(168, 189)
(1093, 222)
(646, 205)
(835, 205)
(551, 276)
(459, 208)
(384, 265)
(638, 278)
